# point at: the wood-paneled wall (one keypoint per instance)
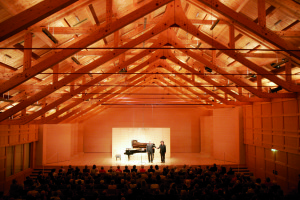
(57, 143)
(184, 124)
(274, 125)
(11, 135)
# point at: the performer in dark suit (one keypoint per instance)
(163, 150)
(150, 150)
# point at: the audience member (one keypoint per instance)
(134, 169)
(118, 169)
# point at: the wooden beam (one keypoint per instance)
(290, 34)
(84, 42)
(27, 51)
(251, 26)
(88, 96)
(206, 22)
(98, 103)
(261, 6)
(94, 14)
(82, 88)
(31, 16)
(182, 21)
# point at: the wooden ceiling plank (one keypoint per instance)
(45, 39)
(20, 47)
(31, 16)
(7, 66)
(86, 41)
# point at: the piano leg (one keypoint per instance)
(128, 157)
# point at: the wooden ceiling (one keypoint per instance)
(64, 61)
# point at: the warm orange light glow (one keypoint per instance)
(121, 139)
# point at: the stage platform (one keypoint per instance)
(106, 160)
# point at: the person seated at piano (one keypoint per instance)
(118, 169)
(134, 169)
(126, 170)
(142, 170)
(151, 169)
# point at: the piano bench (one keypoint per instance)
(118, 156)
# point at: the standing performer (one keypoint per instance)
(162, 148)
(150, 151)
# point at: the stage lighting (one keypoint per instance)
(275, 90)
(273, 150)
(208, 69)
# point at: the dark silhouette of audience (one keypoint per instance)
(169, 183)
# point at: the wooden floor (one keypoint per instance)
(105, 159)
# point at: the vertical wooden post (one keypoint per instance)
(259, 84)
(55, 73)
(240, 91)
(116, 38)
(231, 37)
(261, 12)
(214, 56)
(73, 82)
(288, 71)
(27, 51)
(108, 11)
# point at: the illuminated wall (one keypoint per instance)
(184, 124)
(121, 139)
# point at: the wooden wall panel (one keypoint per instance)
(226, 135)
(275, 126)
(277, 123)
(11, 135)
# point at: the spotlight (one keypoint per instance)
(208, 69)
(275, 90)
(273, 149)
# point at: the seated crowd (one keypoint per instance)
(153, 183)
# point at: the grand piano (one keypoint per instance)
(137, 147)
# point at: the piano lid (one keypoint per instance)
(136, 144)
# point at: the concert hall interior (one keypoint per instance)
(94, 82)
